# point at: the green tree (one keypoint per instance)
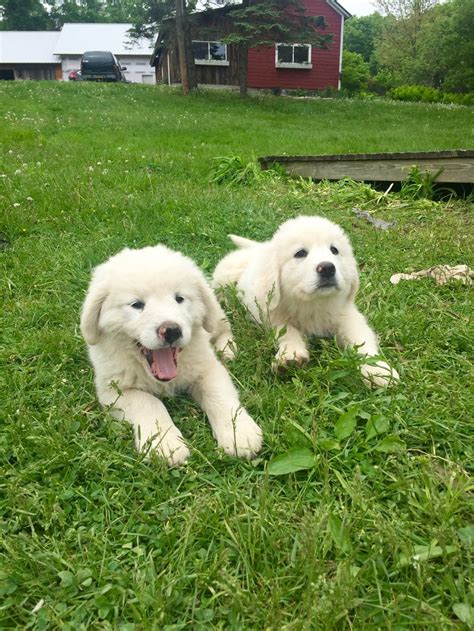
(94, 11)
(355, 72)
(24, 15)
(447, 47)
(428, 43)
(361, 35)
(400, 44)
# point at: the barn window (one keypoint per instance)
(293, 56)
(210, 53)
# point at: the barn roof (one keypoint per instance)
(75, 39)
(28, 47)
(339, 8)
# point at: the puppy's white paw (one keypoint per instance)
(226, 347)
(169, 445)
(289, 357)
(379, 375)
(242, 437)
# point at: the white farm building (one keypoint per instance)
(53, 54)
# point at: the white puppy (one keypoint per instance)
(303, 282)
(148, 319)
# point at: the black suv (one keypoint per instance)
(101, 65)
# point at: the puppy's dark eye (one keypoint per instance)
(334, 250)
(138, 305)
(301, 254)
(179, 299)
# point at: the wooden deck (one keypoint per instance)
(454, 166)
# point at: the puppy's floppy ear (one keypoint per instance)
(90, 314)
(267, 281)
(214, 319)
(354, 283)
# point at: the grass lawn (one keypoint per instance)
(378, 534)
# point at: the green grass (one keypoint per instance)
(103, 540)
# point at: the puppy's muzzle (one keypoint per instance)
(169, 332)
(326, 270)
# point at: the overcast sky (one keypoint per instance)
(358, 7)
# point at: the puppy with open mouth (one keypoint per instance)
(303, 282)
(150, 321)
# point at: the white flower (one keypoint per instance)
(16, 205)
(18, 172)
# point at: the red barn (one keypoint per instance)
(281, 66)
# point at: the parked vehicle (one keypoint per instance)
(75, 75)
(101, 65)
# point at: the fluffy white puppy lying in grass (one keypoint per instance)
(148, 320)
(303, 282)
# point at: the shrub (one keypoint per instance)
(421, 93)
(355, 73)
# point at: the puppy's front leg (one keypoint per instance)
(235, 431)
(152, 425)
(354, 331)
(291, 349)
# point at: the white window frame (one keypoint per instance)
(292, 65)
(211, 62)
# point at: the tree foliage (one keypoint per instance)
(361, 35)
(422, 42)
(94, 11)
(24, 15)
(355, 72)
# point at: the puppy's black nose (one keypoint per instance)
(169, 332)
(326, 269)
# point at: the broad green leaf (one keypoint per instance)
(425, 553)
(466, 535)
(465, 613)
(328, 444)
(346, 424)
(294, 459)
(67, 578)
(391, 444)
(339, 533)
(376, 425)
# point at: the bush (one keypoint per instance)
(421, 93)
(355, 73)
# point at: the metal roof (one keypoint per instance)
(28, 47)
(75, 39)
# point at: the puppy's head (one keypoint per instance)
(149, 301)
(315, 259)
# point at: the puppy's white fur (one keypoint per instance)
(115, 331)
(288, 292)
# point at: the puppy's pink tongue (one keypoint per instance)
(164, 364)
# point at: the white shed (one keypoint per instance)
(29, 55)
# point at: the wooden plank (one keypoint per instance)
(457, 166)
